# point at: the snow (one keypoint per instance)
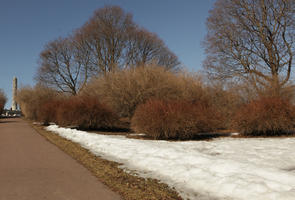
(227, 168)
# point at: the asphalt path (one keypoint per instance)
(31, 168)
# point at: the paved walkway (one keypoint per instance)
(31, 168)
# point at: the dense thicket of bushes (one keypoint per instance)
(31, 100)
(3, 100)
(160, 103)
(224, 101)
(267, 116)
(161, 119)
(125, 90)
(85, 113)
(46, 105)
(48, 110)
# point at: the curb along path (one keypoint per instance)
(32, 168)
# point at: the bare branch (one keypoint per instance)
(251, 38)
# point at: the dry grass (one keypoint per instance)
(130, 187)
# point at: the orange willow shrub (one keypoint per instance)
(85, 112)
(47, 111)
(267, 116)
(175, 119)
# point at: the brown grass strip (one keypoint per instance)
(130, 187)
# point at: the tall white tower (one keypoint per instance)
(14, 93)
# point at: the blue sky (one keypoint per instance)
(27, 25)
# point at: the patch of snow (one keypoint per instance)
(226, 168)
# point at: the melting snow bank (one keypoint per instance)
(256, 169)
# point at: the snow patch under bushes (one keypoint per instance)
(227, 168)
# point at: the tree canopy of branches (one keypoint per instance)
(252, 40)
(64, 65)
(106, 35)
(116, 42)
(107, 42)
(145, 48)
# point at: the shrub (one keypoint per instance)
(3, 100)
(47, 111)
(224, 101)
(124, 90)
(85, 112)
(46, 105)
(174, 119)
(31, 100)
(1, 108)
(267, 116)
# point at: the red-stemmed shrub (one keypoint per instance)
(47, 112)
(267, 116)
(161, 119)
(85, 112)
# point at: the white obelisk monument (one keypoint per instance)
(14, 93)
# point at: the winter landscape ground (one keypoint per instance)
(226, 168)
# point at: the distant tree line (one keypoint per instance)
(109, 41)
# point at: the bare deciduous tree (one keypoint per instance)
(146, 48)
(116, 42)
(109, 41)
(253, 40)
(63, 65)
(83, 56)
(105, 34)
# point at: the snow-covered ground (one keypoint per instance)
(227, 168)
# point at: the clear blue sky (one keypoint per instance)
(27, 25)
